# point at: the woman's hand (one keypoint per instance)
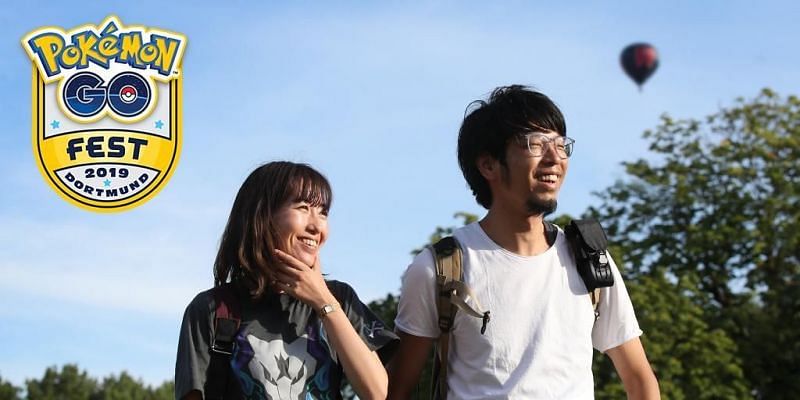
(362, 367)
(301, 281)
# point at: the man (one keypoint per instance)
(513, 152)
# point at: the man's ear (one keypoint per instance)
(489, 167)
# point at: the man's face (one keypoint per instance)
(531, 183)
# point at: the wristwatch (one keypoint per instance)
(327, 309)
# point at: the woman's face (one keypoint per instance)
(302, 230)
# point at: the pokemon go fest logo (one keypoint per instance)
(106, 111)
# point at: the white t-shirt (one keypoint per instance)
(538, 344)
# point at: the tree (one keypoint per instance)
(691, 359)
(164, 392)
(440, 232)
(123, 387)
(68, 384)
(73, 384)
(8, 391)
(714, 216)
(385, 309)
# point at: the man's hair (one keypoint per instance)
(489, 125)
(246, 250)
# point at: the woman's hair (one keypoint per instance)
(246, 249)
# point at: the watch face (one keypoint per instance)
(327, 309)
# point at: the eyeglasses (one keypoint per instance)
(537, 143)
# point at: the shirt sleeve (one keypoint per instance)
(416, 311)
(193, 347)
(368, 325)
(617, 322)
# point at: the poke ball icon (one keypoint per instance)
(128, 94)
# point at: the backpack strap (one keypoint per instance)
(227, 318)
(590, 248)
(447, 256)
(451, 294)
(594, 295)
(551, 234)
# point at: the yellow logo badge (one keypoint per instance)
(106, 111)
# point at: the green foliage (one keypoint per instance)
(440, 232)
(709, 226)
(164, 392)
(70, 383)
(124, 387)
(691, 359)
(385, 309)
(8, 391)
(561, 220)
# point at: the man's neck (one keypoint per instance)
(519, 234)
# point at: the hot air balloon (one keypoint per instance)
(639, 61)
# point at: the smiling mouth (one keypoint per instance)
(547, 178)
(310, 243)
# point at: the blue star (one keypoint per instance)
(106, 183)
(54, 124)
(159, 124)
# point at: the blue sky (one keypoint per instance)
(372, 95)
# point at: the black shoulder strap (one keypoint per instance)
(227, 319)
(590, 247)
(550, 233)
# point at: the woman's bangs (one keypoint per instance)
(311, 188)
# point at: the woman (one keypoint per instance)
(272, 327)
